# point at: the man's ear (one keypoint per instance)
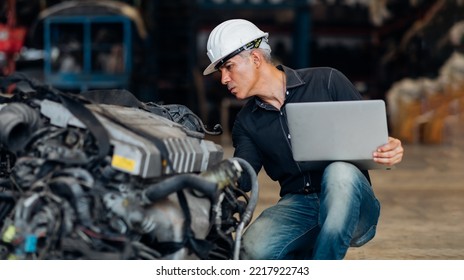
(256, 57)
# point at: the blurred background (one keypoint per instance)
(402, 51)
(409, 53)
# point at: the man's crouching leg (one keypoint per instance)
(286, 230)
(349, 211)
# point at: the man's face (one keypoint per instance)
(239, 75)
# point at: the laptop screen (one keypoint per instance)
(323, 132)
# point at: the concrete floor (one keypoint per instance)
(422, 214)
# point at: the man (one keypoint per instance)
(320, 213)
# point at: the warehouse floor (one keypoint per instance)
(422, 201)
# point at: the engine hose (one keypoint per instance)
(69, 188)
(17, 122)
(247, 215)
(7, 203)
(176, 183)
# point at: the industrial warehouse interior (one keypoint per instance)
(409, 53)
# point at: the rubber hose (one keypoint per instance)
(247, 215)
(17, 122)
(176, 183)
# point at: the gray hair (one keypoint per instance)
(266, 53)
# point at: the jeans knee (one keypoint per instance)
(340, 169)
(341, 173)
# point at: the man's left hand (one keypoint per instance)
(390, 153)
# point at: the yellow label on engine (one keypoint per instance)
(123, 163)
(9, 234)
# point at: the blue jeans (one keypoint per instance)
(317, 226)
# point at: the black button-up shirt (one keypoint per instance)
(260, 134)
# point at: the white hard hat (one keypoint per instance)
(230, 38)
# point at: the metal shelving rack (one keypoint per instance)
(84, 49)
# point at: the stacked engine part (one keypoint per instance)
(101, 175)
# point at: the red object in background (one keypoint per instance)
(11, 39)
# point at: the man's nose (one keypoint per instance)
(224, 78)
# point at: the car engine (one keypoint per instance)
(101, 175)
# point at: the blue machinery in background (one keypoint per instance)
(88, 52)
(77, 59)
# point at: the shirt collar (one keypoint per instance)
(293, 80)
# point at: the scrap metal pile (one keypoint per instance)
(101, 175)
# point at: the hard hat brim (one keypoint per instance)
(212, 67)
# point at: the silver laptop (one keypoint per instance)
(324, 132)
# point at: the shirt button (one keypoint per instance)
(289, 136)
(286, 92)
